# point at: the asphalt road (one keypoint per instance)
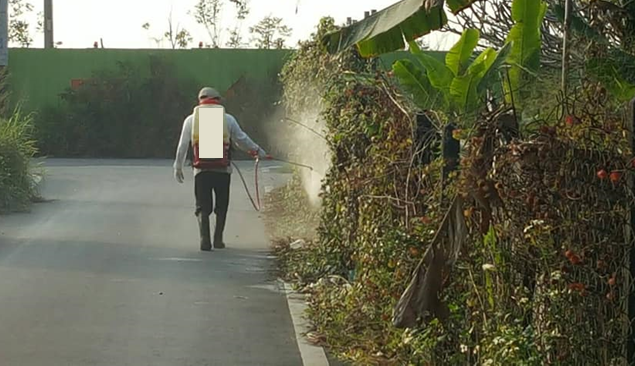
(109, 273)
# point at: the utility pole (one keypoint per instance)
(48, 24)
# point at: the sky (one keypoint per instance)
(79, 23)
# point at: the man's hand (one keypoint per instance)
(178, 174)
(254, 153)
(260, 154)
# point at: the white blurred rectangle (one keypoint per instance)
(210, 123)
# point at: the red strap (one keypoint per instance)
(209, 101)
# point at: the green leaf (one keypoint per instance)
(492, 69)
(414, 80)
(483, 62)
(456, 6)
(464, 89)
(607, 71)
(386, 30)
(440, 76)
(459, 56)
(525, 38)
(489, 285)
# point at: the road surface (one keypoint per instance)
(109, 273)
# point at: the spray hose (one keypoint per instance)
(257, 204)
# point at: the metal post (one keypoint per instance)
(48, 24)
(630, 347)
(565, 45)
(4, 33)
(424, 133)
(451, 150)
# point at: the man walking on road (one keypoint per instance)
(212, 175)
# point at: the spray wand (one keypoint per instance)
(305, 126)
(292, 163)
(257, 203)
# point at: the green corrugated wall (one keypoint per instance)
(37, 76)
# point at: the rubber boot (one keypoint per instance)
(203, 225)
(218, 231)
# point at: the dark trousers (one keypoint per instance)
(206, 186)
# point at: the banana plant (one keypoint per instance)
(457, 85)
(389, 29)
(524, 57)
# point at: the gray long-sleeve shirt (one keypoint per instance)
(237, 137)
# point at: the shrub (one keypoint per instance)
(16, 150)
(121, 113)
(138, 112)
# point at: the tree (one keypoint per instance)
(157, 40)
(20, 28)
(40, 22)
(494, 19)
(235, 36)
(601, 37)
(266, 32)
(207, 13)
(177, 37)
(182, 38)
(606, 17)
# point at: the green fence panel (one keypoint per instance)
(38, 76)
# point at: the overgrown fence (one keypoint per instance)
(518, 253)
(630, 283)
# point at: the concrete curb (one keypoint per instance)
(311, 355)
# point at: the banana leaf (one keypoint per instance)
(526, 43)
(492, 70)
(459, 56)
(414, 80)
(388, 30)
(464, 88)
(440, 76)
